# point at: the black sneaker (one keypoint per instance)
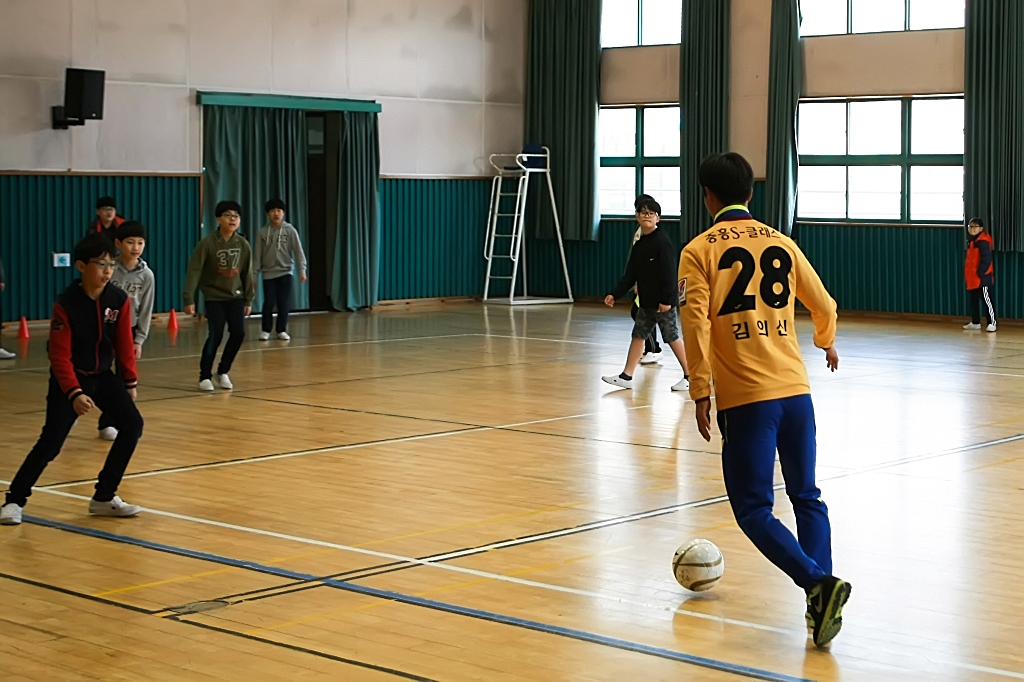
(825, 609)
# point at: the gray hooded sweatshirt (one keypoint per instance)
(276, 251)
(139, 285)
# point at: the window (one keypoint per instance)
(639, 149)
(885, 159)
(832, 17)
(628, 23)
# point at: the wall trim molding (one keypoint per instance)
(269, 101)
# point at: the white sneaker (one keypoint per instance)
(991, 327)
(115, 507)
(10, 515)
(650, 359)
(284, 336)
(206, 385)
(971, 326)
(6, 354)
(616, 380)
(683, 385)
(264, 336)
(225, 381)
(109, 433)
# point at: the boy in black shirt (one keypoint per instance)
(652, 268)
(92, 322)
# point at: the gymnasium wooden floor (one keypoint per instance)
(451, 493)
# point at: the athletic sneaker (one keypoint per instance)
(225, 381)
(284, 336)
(991, 327)
(109, 433)
(264, 336)
(825, 609)
(971, 326)
(650, 359)
(6, 354)
(114, 507)
(616, 380)
(682, 385)
(206, 385)
(10, 514)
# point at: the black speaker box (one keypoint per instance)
(83, 94)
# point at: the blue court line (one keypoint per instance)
(626, 645)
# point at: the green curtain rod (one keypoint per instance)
(246, 99)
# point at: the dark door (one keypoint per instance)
(316, 168)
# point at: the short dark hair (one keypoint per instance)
(976, 221)
(130, 228)
(728, 176)
(106, 202)
(93, 246)
(646, 201)
(225, 206)
(272, 204)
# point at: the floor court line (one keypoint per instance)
(330, 448)
(136, 609)
(544, 585)
(580, 635)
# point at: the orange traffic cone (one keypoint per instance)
(172, 321)
(23, 329)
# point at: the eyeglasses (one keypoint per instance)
(230, 216)
(646, 214)
(104, 264)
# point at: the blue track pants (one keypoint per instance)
(750, 436)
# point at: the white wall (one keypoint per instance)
(449, 74)
(905, 63)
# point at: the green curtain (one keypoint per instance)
(562, 91)
(703, 103)
(251, 155)
(785, 80)
(993, 114)
(355, 269)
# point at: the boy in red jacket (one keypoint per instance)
(979, 272)
(92, 322)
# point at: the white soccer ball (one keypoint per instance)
(698, 564)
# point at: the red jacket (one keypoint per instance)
(979, 269)
(109, 232)
(86, 335)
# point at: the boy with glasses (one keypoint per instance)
(221, 266)
(651, 267)
(91, 325)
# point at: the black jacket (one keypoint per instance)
(652, 267)
(85, 336)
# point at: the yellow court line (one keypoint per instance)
(184, 578)
(435, 590)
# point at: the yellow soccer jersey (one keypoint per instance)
(736, 295)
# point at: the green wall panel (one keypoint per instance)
(432, 238)
(904, 269)
(43, 214)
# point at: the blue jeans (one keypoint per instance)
(217, 313)
(277, 291)
(750, 435)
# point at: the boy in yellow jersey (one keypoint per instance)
(738, 282)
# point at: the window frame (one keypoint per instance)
(905, 160)
(849, 24)
(640, 31)
(638, 161)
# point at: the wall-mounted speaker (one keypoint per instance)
(83, 98)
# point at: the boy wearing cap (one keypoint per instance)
(277, 251)
(107, 221)
(221, 266)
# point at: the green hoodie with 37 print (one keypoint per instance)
(221, 269)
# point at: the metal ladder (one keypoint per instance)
(506, 221)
